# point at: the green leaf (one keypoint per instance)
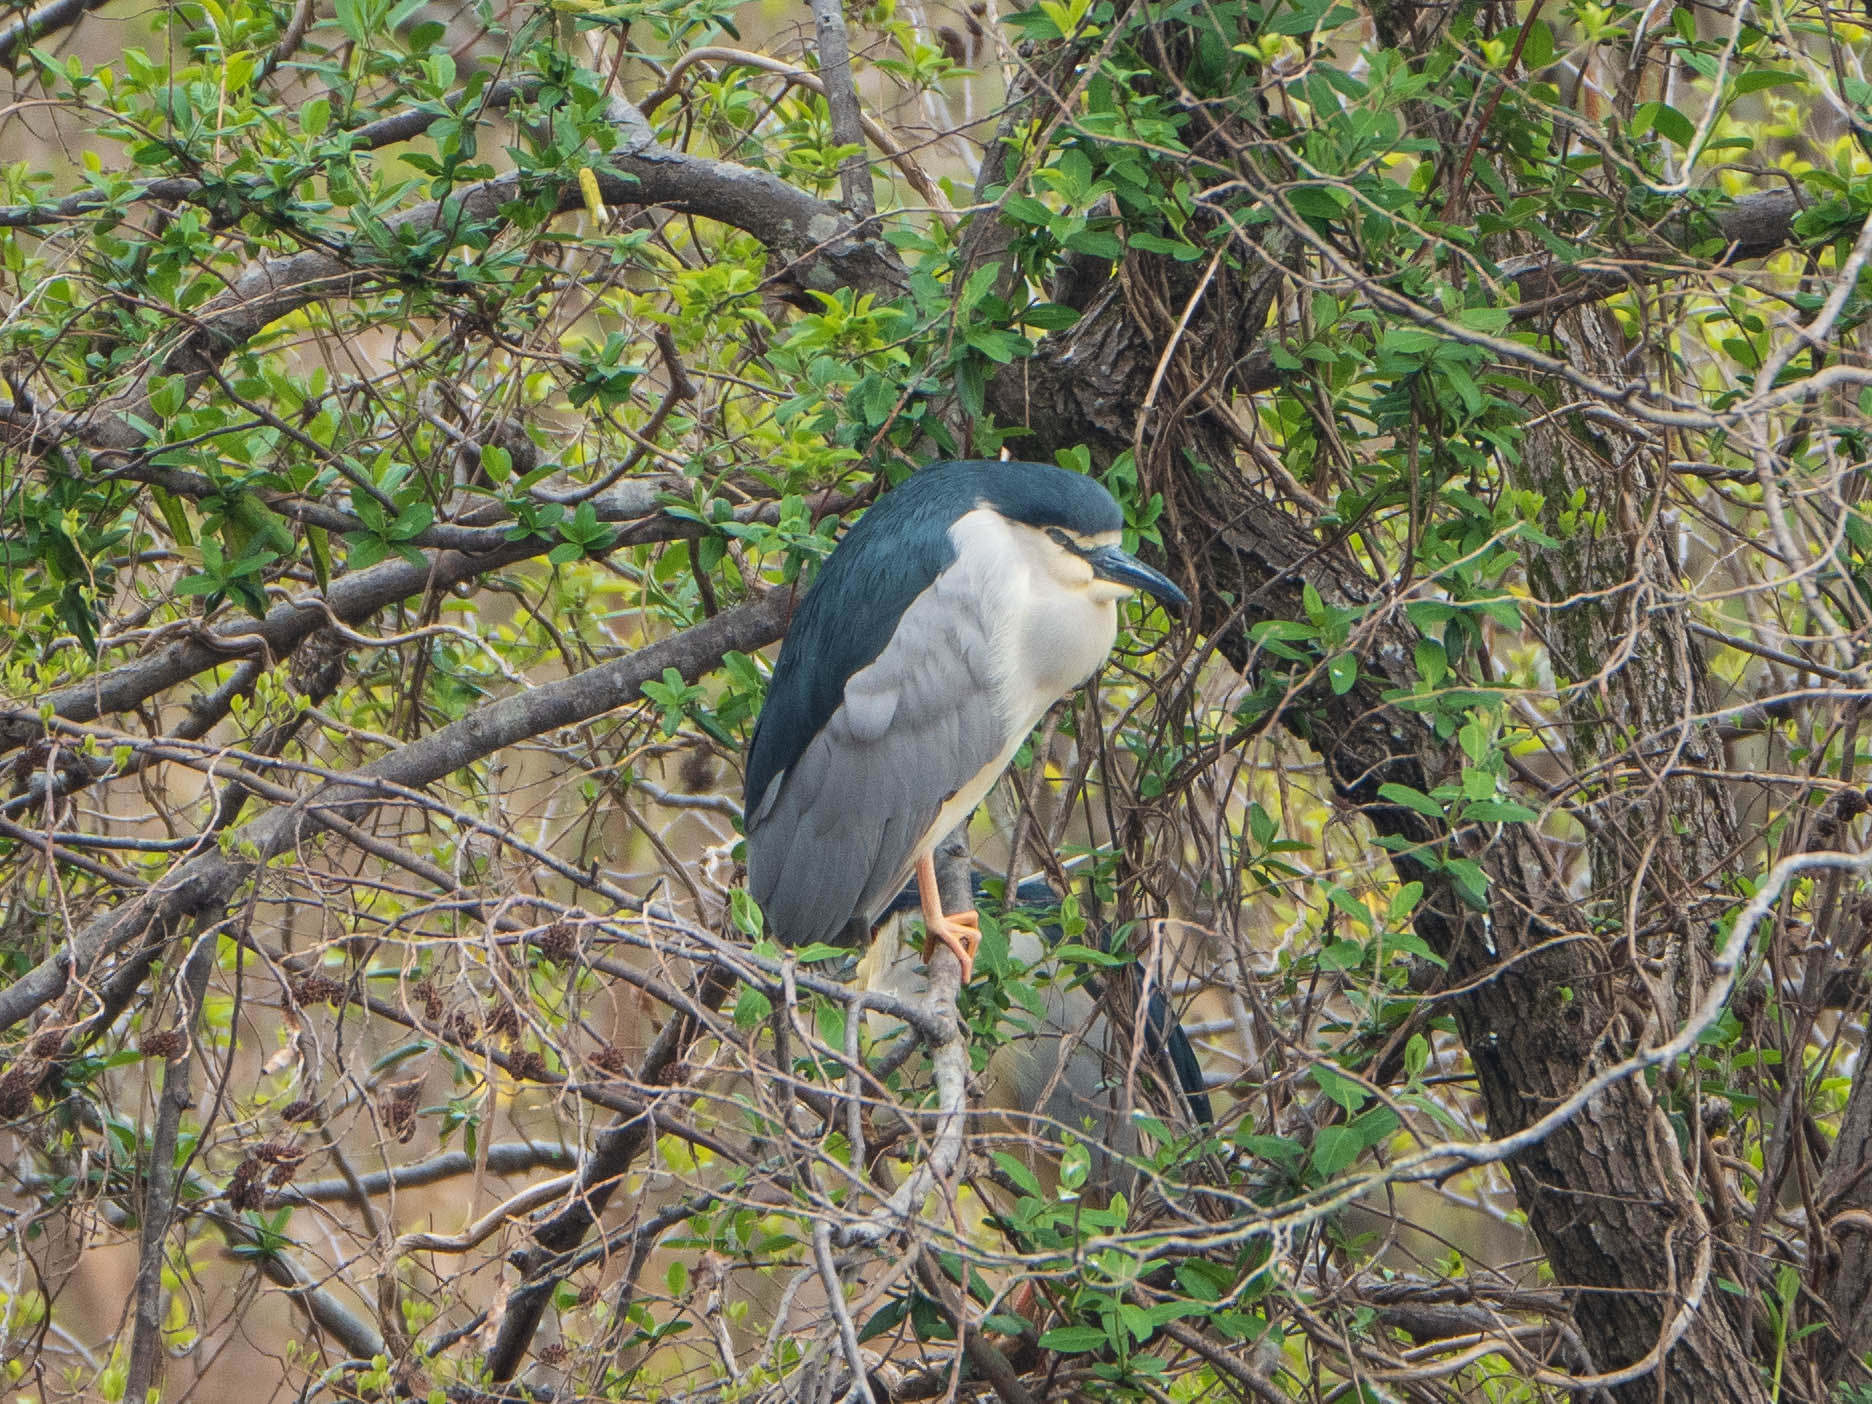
(1666, 120)
(745, 912)
(1335, 1150)
(1538, 51)
(1322, 202)
(1498, 812)
(1278, 1149)
(1340, 1088)
(1020, 1173)
(751, 1009)
(1411, 799)
(1073, 1340)
(1342, 673)
(1757, 79)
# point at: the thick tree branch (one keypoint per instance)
(841, 94)
(1650, 1310)
(351, 600)
(17, 37)
(202, 886)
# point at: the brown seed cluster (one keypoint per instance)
(397, 1107)
(48, 1043)
(18, 1085)
(528, 1065)
(247, 1186)
(612, 1059)
(284, 1156)
(558, 942)
(460, 1027)
(268, 1166)
(501, 1020)
(163, 1043)
(318, 989)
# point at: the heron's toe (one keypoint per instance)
(961, 933)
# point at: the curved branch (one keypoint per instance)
(504, 1158)
(60, 14)
(351, 600)
(818, 246)
(206, 883)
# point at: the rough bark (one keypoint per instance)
(1608, 1195)
(1845, 1278)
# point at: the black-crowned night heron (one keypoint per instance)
(961, 607)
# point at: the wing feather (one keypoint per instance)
(917, 728)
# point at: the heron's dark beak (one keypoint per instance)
(1122, 568)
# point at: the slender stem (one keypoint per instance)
(842, 102)
(835, 1300)
(159, 1190)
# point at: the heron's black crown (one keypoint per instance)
(893, 555)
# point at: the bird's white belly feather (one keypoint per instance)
(1045, 634)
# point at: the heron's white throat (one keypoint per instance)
(1050, 620)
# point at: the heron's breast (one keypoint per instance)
(1046, 633)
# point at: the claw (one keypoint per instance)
(960, 932)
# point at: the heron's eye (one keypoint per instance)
(1062, 540)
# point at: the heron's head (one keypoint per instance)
(1074, 529)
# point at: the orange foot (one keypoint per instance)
(960, 932)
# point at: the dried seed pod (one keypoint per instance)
(48, 1043)
(164, 1043)
(246, 1189)
(18, 1085)
(461, 1027)
(318, 989)
(397, 1107)
(526, 1064)
(558, 942)
(501, 1019)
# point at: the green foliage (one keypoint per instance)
(287, 308)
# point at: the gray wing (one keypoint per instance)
(838, 833)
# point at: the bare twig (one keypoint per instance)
(841, 94)
(159, 1190)
(205, 883)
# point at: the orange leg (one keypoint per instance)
(960, 931)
